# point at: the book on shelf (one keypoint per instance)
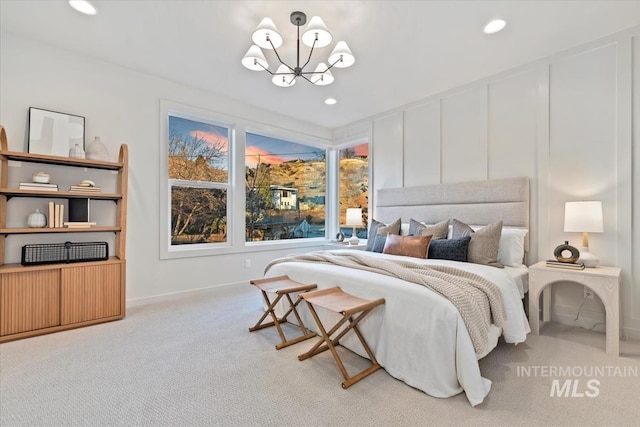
(38, 187)
(76, 224)
(567, 265)
(84, 189)
(56, 215)
(38, 184)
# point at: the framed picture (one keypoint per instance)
(54, 133)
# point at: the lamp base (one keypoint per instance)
(587, 258)
(353, 241)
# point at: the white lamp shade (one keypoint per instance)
(583, 216)
(321, 76)
(354, 217)
(264, 31)
(316, 28)
(284, 80)
(254, 59)
(341, 51)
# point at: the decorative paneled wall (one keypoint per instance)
(567, 122)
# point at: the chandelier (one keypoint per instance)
(315, 35)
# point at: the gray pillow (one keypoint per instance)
(380, 228)
(378, 243)
(451, 249)
(437, 231)
(484, 244)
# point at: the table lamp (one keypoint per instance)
(354, 219)
(584, 217)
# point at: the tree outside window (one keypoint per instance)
(198, 166)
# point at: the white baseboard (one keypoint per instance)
(175, 295)
(591, 320)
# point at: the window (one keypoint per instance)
(285, 189)
(354, 185)
(198, 172)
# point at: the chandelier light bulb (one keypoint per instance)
(341, 51)
(322, 76)
(266, 31)
(254, 59)
(283, 77)
(316, 29)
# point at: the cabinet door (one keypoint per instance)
(90, 292)
(29, 300)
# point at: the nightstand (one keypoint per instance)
(604, 281)
(345, 245)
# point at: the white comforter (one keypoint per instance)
(417, 335)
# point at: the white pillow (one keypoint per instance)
(404, 229)
(511, 249)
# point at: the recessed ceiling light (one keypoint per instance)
(494, 26)
(330, 101)
(83, 6)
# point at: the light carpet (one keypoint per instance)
(191, 361)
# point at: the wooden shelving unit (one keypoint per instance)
(41, 299)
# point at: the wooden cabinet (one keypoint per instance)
(41, 299)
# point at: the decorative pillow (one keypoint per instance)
(511, 250)
(381, 228)
(438, 231)
(378, 243)
(451, 249)
(484, 244)
(413, 246)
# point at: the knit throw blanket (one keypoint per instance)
(477, 299)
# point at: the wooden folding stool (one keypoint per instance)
(334, 299)
(282, 286)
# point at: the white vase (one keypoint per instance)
(96, 150)
(36, 219)
(76, 152)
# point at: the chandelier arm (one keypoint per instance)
(306, 78)
(278, 56)
(265, 68)
(331, 66)
(310, 52)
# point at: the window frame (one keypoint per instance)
(236, 198)
(167, 250)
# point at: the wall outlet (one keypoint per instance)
(588, 293)
(247, 263)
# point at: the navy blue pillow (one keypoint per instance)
(451, 249)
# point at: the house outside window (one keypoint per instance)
(285, 189)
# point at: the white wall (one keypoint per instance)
(564, 121)
(123, 106)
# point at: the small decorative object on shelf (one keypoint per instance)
(96, 150)
(76, 152)
(340, 237)
(559, 253)
(85, 186)
(40, 178)
(36, 219)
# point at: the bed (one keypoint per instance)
(418, 336)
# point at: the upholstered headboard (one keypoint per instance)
(473, 202)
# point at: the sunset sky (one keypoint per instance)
(267, 150)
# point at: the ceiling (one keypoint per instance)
(405, 50)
